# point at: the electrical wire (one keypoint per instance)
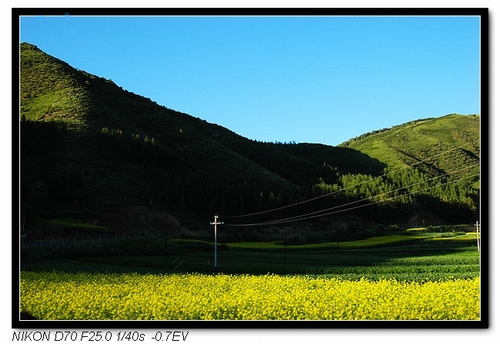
(379, 195)
(328, 211)
(343, 189)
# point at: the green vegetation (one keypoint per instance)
(407, 258)
(121, 184)
(404, 257)
(89, 145)
(370, 242)
(132, 296)
(72, 223)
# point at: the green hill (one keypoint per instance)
(90, 147)
(427, 139)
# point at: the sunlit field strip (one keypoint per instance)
(370, 242)
(83, 296)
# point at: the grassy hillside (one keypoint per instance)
(409, 143)
(91, 148)
(116, 139)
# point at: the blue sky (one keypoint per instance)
(317, 79)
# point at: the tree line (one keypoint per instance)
(172, 182)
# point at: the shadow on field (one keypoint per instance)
(419, 260)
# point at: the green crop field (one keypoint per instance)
(117, 191)
(384, 278)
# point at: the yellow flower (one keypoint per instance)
(197, 296)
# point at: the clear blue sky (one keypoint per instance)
(303, 79)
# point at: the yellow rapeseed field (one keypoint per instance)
(84, 296)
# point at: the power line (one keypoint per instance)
(365, 199)
(343, 189)
(328, 211)
(391, 198)
(324, 213)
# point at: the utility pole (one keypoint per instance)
(215, 223)
(477, 235)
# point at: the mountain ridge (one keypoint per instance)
(85, 139)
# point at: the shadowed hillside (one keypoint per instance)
(89, 147)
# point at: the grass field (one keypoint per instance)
(421, 277)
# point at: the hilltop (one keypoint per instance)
(406, 144)
(91, 148)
